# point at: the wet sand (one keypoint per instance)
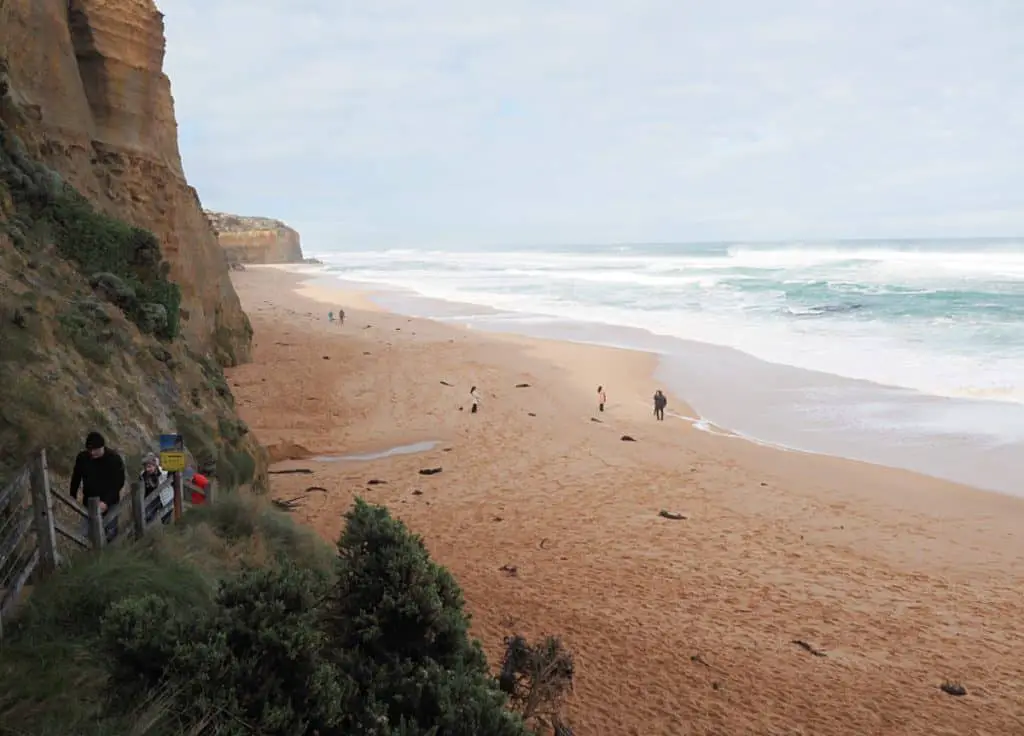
(679, 626)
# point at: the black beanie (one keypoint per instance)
(94, 441)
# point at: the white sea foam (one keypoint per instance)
(944, 319)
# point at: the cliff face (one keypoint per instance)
(87, 77)
(85, 109)
(255, 239)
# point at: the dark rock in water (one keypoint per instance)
(376, 482)
(510, 570)
(445, 383)
(430, 471)
(953, 688)
(627, 438)
(327, 357)
(417, 492)
(366, 352)
(295, 471)
(670, 515)
(522, 385)
(447, 449)
(595, 419)
(530, 414)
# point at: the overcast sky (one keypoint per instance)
(404, 122)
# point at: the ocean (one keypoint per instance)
(822, 347)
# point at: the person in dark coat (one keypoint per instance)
(99, 473)
(660, 402)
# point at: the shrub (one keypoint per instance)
(382, 650)
(86, 329)
(402, 615)
(254, 665)
(537, 677)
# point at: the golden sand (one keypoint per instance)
(679, 626)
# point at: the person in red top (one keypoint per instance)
(201, 482)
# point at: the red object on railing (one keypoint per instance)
(199, 481)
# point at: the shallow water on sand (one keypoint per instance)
(389, 452)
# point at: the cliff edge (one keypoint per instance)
(116, 309)
(255, 239)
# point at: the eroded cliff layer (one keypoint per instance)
(86, 77)
(255, 239)
(93, 333)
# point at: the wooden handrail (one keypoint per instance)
(72, 504)
(71, 536)
(40, 515)
(17, 483)
(10, 543)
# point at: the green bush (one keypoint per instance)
(86, 328)
(397, 623)
(255, 665)
(382, 649)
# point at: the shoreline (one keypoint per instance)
(780, 406)
(903, 580)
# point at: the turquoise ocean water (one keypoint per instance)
(922, 319)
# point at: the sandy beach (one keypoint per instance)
(679, 626)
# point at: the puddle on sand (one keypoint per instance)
(390, 452)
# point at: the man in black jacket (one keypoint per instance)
(100, 473)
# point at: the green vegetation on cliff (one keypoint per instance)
(121, 262)
(89, 324)
(237, 622)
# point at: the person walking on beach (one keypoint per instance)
(474, 398)
(602, 398)
(341, 317)
(660, 402)
(99, 473)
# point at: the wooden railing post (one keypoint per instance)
(138, 491)
(97, 534)
(179, 497)
(42, 506)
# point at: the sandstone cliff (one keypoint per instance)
(255, 239)
(116, 310)
(97, 107)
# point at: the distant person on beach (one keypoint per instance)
(474, 398)
(341, 316)
(602, 398)
(330, 316)
(660, 402)
(99, 473)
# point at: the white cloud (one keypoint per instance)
(401, 122)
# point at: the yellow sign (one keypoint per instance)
(172, 462)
